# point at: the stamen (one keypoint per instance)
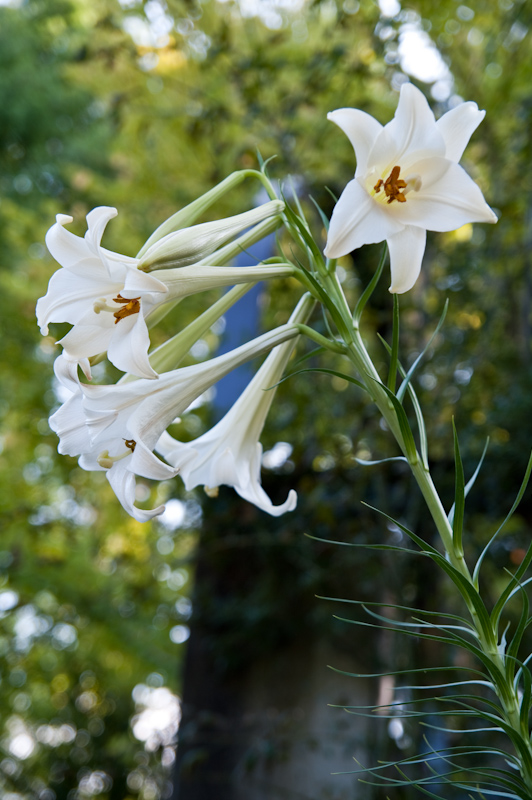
(106, 461)
(393, 186)
(211, 491)
(129, 307)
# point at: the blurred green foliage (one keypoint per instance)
(95, 109)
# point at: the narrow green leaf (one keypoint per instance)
(392, 375)
(306, 356)
(303, 232)
(456, 516)
(526, 697)
(404, 425)
(498, 608)
(323, 216)
(326, 372)
(513, 647)
(366, 294)
(411, 371)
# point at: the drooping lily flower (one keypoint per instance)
(407, 181)
(116, 427)
(107, 297)
(230, 453)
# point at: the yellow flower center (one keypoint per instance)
(392, 186)
(395, 188)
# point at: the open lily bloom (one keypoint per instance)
(116, 427)
(407, 181)
(94, 280)
(230, 453)
(106, 297)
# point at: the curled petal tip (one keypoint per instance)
(63, 219)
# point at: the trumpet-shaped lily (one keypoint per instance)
(230, 453)
(115, 428)
(106, 297)
(407, 181)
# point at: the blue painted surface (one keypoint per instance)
(242, 324)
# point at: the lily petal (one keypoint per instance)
(129, 350)
(97, 220)
(406, 254)
(123, 485)
(361, 129)
(63, 245)
(457, 126)
(356, 220)
(412, 130)
(447, 203)
(67, 297)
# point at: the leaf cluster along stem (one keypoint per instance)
(499, 665)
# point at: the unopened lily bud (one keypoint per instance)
(190, 245)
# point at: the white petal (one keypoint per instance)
(253, 492)
(128, 346)
(66, 371)
(89, 337)
(147, 465)
(123, 484)
(69, 295)
(361, 129)
(406, 254)
(412, 131)
(357, 219)
(97, 220)
(457, 127)
(69, 424)
(449, 202)
(138, 282)
(63, 245)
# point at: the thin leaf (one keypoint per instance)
(513, 647)
(518, 499)
(334, 372)
(411, 371)
(324, 218)
(392, 375)
(366, 294)
(404, 425)
(456, 515)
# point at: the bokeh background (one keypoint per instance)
(111, 630)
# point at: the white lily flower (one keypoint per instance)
(94, 280)
(116, 427)
(407, 181)
(230, 453)
(106, 297)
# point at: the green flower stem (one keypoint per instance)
(329, 344)
(487, 638)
